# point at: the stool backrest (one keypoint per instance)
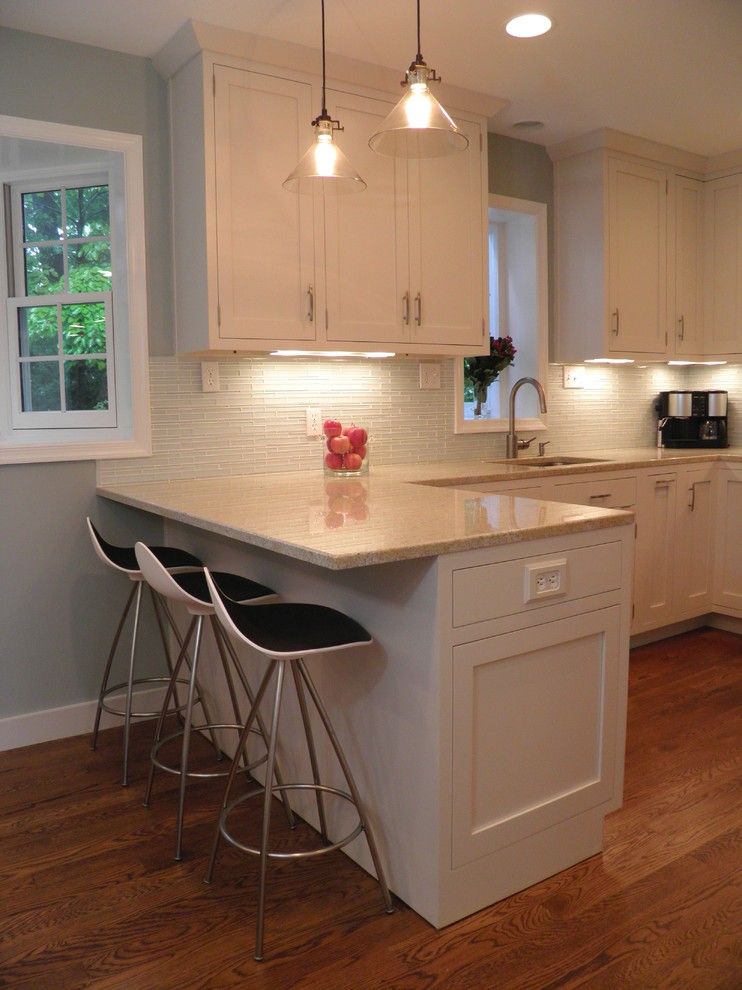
(160, 579)
(111, 555)
(221, 611)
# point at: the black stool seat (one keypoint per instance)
(125, 557)
(232, 586)
(295, 627)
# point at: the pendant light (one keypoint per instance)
(418, 126)
(324, 166)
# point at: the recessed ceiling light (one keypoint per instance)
(528, 125)
(528, 25)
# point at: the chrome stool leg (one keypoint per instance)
(130, 684)
(187, 739)
(109, 664)
(220, 636)
(312, 752)
(351, 785)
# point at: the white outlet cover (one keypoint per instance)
(573, 376)
(209, 376)
(430, 374)
(314, 422)
(545, 579)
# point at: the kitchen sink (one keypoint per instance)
(541, 462)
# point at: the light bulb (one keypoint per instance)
(325, 155)
(418, 106)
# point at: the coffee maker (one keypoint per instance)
(692, 419)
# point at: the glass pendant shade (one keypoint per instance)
(324, 167)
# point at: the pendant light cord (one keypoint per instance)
(419, 53)
(324, 73)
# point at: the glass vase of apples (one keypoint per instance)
(345, 450)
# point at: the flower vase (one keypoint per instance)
(480, 396)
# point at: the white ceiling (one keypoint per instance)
(669, 70)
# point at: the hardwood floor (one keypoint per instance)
(91, 898)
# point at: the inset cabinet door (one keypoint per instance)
(448, 218)
(637, 252)
(694, 543)
(267, 262)
(723, 283)
(654, 583)
(728, 564)
(367, 235)
(688, 328)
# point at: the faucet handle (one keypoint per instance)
(525, 444)
(542, 447)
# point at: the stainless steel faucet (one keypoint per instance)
(513, 443)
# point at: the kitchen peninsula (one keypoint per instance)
(487, 720)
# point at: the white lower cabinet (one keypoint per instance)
(728, 563)
(654, 592)
(694, 544)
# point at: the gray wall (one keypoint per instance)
(58, 606)
(525, 171)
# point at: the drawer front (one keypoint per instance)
(510, 587)
(616, 493)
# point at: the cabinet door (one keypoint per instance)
(265, 235)
(723, 281)
(655, 544)
(728, 570)
(448, 219)
(367, 235)
(688, 328)
(694, 542)
(637, 258)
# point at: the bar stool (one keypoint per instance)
(286, 634)
(190, 589)
(123, 560)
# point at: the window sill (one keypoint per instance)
(43, 453)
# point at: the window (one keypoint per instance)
(518, 307)
(73, 365)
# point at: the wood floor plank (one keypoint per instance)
(92, 899)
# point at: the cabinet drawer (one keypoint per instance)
(491, 591)
(617, 493)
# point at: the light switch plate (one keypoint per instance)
(314, 422)
(573, 376)
(430, 374)
(210, 376)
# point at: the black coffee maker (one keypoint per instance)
(692, 419)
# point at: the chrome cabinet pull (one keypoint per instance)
(310, 314)
(406, 309)
(418, 309)
(615, 322)
(681, 328)
(692, 492)
(604, 495)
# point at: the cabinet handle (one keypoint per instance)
(310, 313)
(681, 328)
(662, 484)
(406, 309)
(615, 322)
(418, 309)
(692, 492)
(604, 495)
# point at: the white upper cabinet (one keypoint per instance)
(637, 257)
(723, 270)
(688, 274)
(267, 266)
(399, 266)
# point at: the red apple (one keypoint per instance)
(339, 445)
(332, 428)
(352, 462)
(334, 461)
(361, 451)
(357, 436)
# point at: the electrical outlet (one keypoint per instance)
(430, 374)
(209, 376)
(573, 376)
(314, 422)
(545, 580)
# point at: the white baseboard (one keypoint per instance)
(729, 623)
(71, 720)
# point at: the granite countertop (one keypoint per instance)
(397, 512)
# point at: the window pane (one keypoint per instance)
(84, 328)
(37, 331)
(42, 215)
(40, 386)
(85, 385)
(87, 211)
(44, 270)
(90, 267)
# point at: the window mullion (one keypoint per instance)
(60, 350)
(65, 260)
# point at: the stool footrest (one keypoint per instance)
(202, 774)
(141, 680)
(289, 787)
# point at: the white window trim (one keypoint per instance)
(68, 445)
(461, 425)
